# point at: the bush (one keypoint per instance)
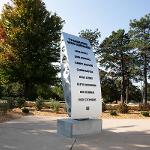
(65, 108)
(145, 113)
(123, 108)
(144, 107)
(3, 107)
(55, 105)
(10, 101)
(113, 113)
(20, 102)
(39, 103)
(25, 110)
(103, 107)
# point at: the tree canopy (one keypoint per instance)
(92, 36)
(30, 43)
(115, 56)
(140, 39)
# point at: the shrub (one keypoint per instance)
(50, 104)
(145, 113)
(103, 107)
(123, 108)
(113, 113)
(56, 106)
(144, 107)
(3, 107)
(10, 101)
(65, 108)
(25, 110)
(39, 103)
(20, 102)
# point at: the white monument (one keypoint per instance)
(81, 84)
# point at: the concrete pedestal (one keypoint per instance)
(73, 128)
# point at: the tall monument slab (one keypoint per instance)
(80, 79)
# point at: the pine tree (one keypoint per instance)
(140, 39)
(115, 57)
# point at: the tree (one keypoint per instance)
(92, 36)
(148, 92)
(110, 91)
(115, 56)
(140, 38)
(32, 44)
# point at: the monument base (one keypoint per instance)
(73, 128)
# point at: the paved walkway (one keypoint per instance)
(39, 133)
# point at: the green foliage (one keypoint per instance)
(65, 108)
(134, 93)
(92, 36)
(144, 107)
(145, 113)
(1, 90)
(113, 113)
(3, 107)
(116, 56)
(140, 37)
(103, 107)
(20, 102)
(31, 45)
(12, 89)
(55, 105)
(123, 108)
(39, 103)
(110, 91)
(25, 110)
(10, 102)
(57, 93)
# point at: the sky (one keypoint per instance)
(106, 15)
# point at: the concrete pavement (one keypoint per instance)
(40, 133)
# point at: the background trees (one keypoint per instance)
(118, 57)
(115, 57)
(30, 44)
(29, 48)
(92, 36)
(140, 39)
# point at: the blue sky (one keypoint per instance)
(106, 15)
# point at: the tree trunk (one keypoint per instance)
(127, 91)
(123, 80)
(145, 80)
(29, 91)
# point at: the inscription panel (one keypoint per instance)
(82, 75)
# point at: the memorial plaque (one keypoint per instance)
(80, 78)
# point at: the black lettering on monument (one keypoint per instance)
(88, 71)
(86, 77)
(87, 92)
(86, 58)
(79, 63)
(82, 77)
(90, 78)
(90, 65)
(81, 52)
(85, 84)
(87, 99)
(77, 56)
(78, 43)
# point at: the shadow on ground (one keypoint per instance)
(37, 133)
